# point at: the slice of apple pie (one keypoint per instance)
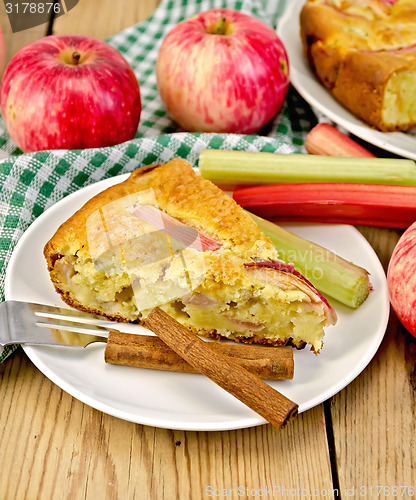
(167, 237)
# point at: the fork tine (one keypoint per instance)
(68, 316)
(63, 316)
(98, 331)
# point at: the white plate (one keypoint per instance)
(304, 81)
(191, 401)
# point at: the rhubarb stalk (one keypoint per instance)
(332, 275)
(367, 204)
(324, 139)
(229, 169)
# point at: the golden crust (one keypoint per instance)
(255, 339)
(356, 48)
(362, 82)
(181, 193)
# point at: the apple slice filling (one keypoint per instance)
(307, 285)
(181, 235)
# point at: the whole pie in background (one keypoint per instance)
(364, 53)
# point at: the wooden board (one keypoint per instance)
(374, 418)
(14, 41)
(59, 444)
(109, 16)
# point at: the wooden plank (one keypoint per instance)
(15, 41)
(374, 418)
(59, 444)
(109, 16)
(374, 421)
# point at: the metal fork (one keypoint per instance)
(29, 323)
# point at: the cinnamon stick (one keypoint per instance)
(144, 351)
(249, 389)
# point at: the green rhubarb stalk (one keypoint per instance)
(332, 275)
(233, 168)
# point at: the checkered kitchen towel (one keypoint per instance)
(31, 183)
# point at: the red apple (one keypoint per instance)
(401, 279)
(222, 71)
(69, 92)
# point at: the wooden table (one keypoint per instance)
(55, 447)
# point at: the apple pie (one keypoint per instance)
(167, 237)
(364, 53)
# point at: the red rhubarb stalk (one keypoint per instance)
(326, 140)
(348, 203)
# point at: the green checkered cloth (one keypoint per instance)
(31, 183)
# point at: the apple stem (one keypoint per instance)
(220, 28)
(76, 57)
